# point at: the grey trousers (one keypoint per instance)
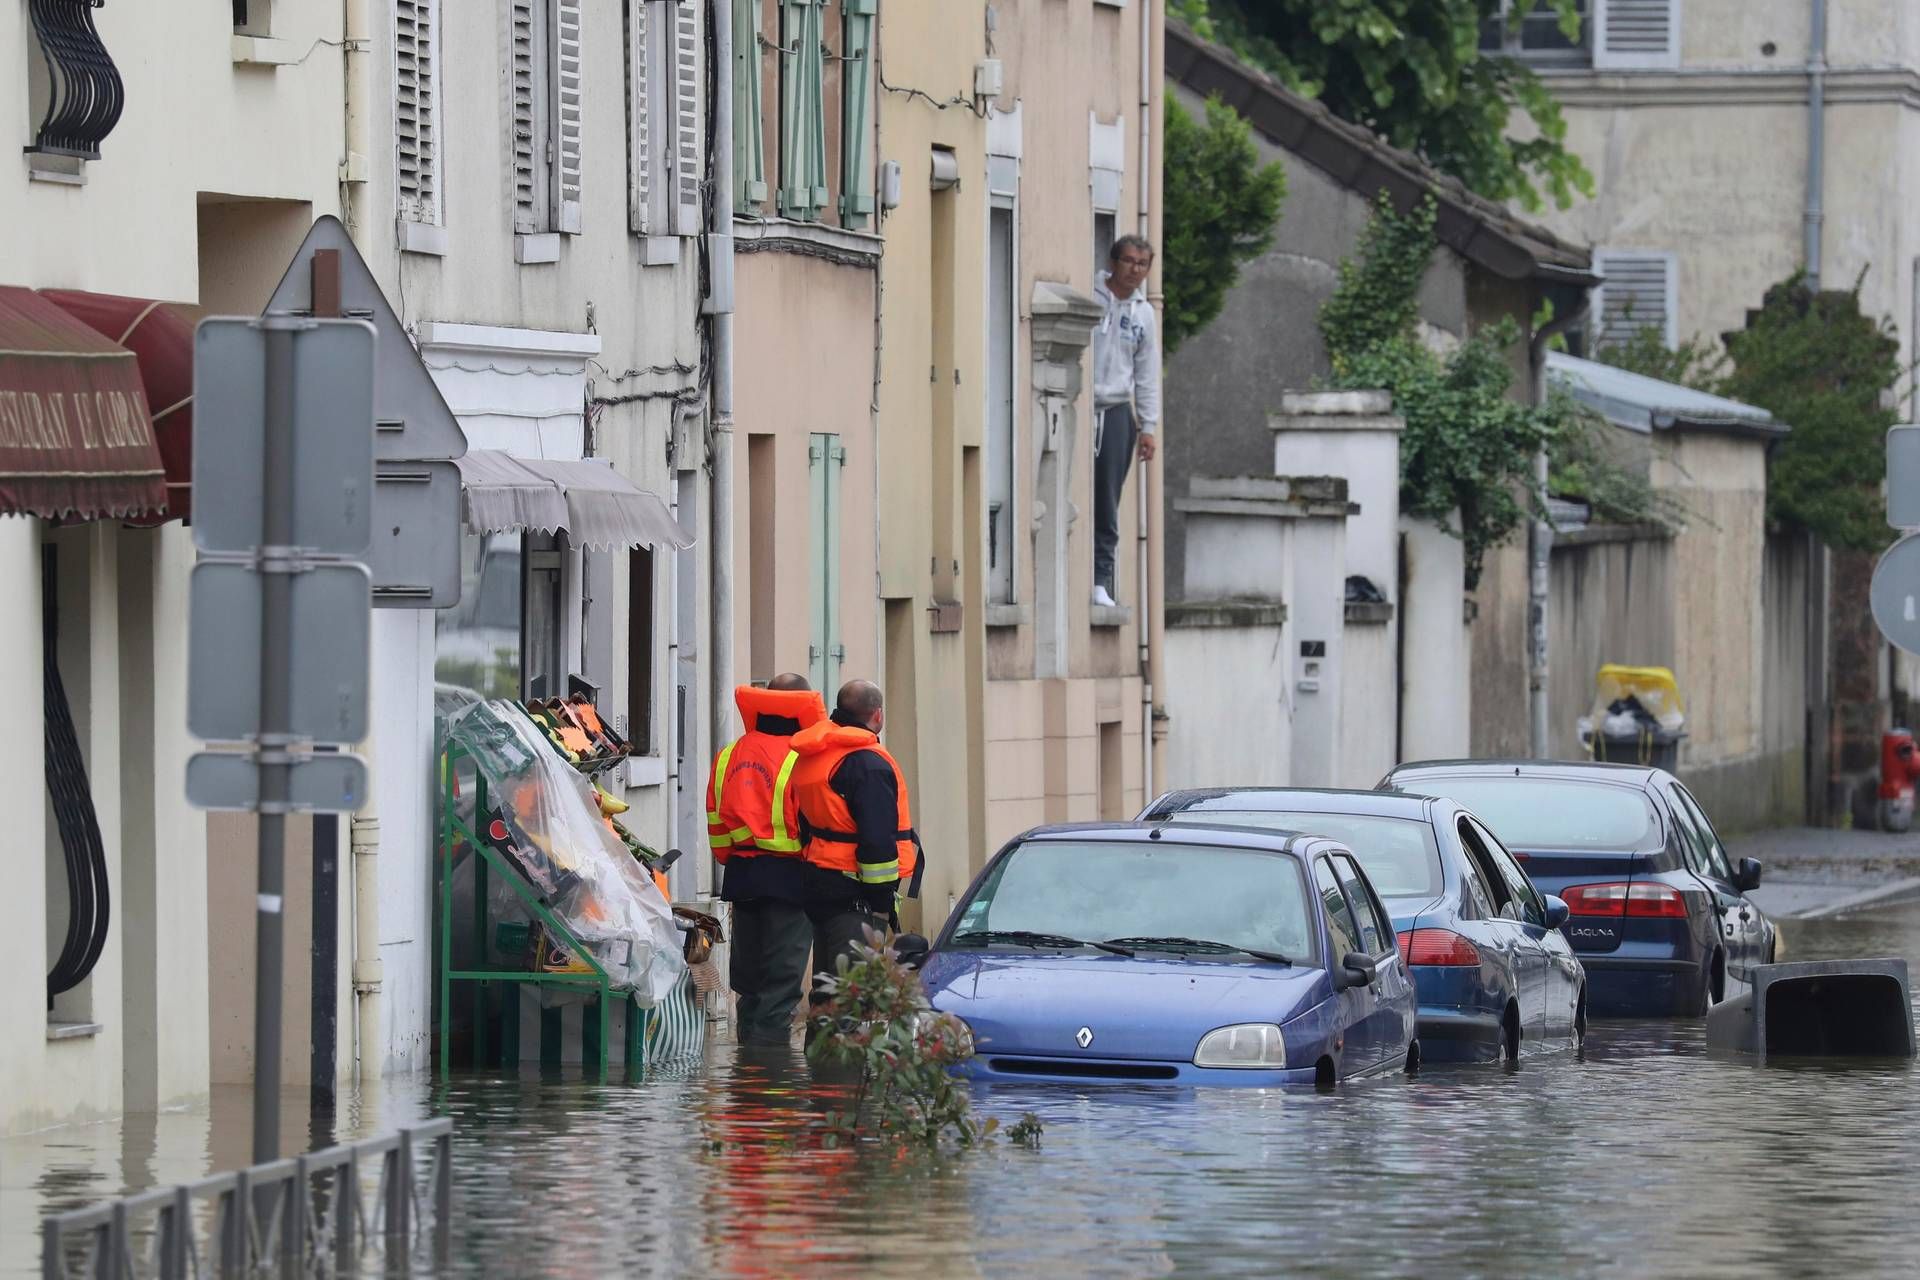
(768, 967)
(1111, 462)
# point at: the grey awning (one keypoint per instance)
(596, 505)
(1643, 404)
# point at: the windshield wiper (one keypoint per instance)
(1028, 938)
(1201, 944)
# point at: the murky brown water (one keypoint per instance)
(1645, 1158)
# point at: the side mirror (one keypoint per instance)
(1747, 875)
(1356, 970)
(1557, 911)
(911, 950)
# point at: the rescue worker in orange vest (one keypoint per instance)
(860, 846)
(753, 826)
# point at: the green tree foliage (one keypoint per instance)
(1412, 71)
(1817, 363)
(1696, 362)
(1221, 204)
(1467, 447)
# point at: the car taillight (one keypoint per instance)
(1620, 899)
(1437, 946)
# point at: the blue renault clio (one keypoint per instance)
(1127, 953)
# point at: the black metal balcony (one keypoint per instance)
(84, 91)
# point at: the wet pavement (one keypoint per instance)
(1643, 1157)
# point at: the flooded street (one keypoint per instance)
(1647, 1157)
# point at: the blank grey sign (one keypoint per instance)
(1903, 476)
(332, 630)
(231, 780)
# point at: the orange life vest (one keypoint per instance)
(751, 807)
(831, 839)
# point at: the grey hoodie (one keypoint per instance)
(1126, 355)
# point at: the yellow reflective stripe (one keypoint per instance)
(879, 872)
(719, 780)
(782, 841)
(719, 841)
(740, 834)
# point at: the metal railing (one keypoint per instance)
(309, 1215)
(84, 90)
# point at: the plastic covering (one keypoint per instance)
(1652, 688)
(550, 826)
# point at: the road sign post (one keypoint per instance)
(281, 607)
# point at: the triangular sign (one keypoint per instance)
(411, 420)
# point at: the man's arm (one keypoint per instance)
(866, 782)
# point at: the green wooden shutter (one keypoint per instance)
(749, 136)
(856, 115)
(826, 459)
(803, 125)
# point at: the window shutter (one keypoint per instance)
(803, 133)
(1630, 34)
(639, 120)
(529, 144)
(416, 49)
(856, 133)
(749, 138)
(687, 166)
(566, 115)
(1636, 293)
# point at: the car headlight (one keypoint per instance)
(1250, 1044)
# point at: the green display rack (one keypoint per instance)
(500, 1046)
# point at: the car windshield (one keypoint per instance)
(1093, 890)
(1398, 853)
(1549, 813)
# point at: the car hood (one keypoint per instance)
(1150, 1007)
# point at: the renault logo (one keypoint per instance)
(1083, 1037)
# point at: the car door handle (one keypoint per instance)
(1745, 914)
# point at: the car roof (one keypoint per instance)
(1386, 804)
(1576, 770)
(1254, 839)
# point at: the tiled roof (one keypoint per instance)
(1480, 230)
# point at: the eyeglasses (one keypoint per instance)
(1134, 262)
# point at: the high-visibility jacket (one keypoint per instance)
(832, 831)
(751, 808)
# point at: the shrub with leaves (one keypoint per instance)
(1221, 207)
(878, 1019)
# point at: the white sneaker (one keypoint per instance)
(1101, 600)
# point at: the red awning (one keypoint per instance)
(161, 335)
(76, 438)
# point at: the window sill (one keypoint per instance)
(536, 250)
(1109, 616)
(66, 171)
(1008, 615)
(646, 771)
(264, 51)
(74, 1030)
(1369, 612)
(422, 238)
(659, 251)
(751, 234)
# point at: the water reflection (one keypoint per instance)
(1642, 1156)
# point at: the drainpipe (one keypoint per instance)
(1152, 624)
(720, 235)
(1815, 214)
(1540, 737)
(364, 830)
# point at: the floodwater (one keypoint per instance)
(1644, 1157)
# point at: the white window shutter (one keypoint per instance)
(529, 138)
(566, 117)
(686, 172)
(416, 108)
(639, 119)
(1637, 292)
(1636, 34)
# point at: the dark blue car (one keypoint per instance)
(1492, 973)
(1659, 913)
(1126, 953)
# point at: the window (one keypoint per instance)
(1530, 30)
(72, 85)
(1001, 459)
(640, 654)
(1107, 168)
(416, 108)
(1520, 890)
(1342, 928)
(1548, 813)
(1474, 895)
(1637, 292)
(253, 18)
(1499, 899)
(826, 460)
(543, 583)
(749, 138)
(477, 642)
(1376, 934)
(1711, 850)
(803, 130)
(546, 86)
(1398, 853)
(664, 159)
(1105, 232)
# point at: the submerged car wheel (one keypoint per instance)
(1510, 1035)
(1580, 1022)
(1695, 1003)
(1413, 1058)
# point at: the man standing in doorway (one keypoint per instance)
(1126, 395)
(860, 843)
(753, 826)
